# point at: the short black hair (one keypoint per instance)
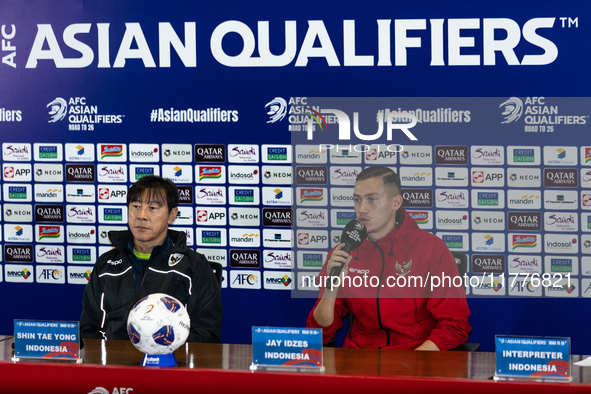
(389, 177)
(154, 188)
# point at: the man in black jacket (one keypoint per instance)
(150, 258)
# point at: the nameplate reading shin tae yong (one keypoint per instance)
(46, 340)
(294, 349)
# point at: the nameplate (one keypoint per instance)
(297, 349)
(46, 340)
(539, 358)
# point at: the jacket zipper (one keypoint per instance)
(378, 295)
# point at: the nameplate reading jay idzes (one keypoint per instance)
(286, 348)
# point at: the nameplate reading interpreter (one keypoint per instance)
(539, 358)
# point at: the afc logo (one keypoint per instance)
(246, 279)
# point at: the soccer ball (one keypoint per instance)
(158, 324)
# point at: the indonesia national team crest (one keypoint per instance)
(174, 259)
(403, 268)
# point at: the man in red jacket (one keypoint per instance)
(398, 285)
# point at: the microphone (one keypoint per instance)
(353, 235)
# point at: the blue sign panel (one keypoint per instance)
(537, 358)
(288, 348)
(46, 340)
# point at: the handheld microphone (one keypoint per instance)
(353, 235)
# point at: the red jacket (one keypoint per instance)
(391, 316)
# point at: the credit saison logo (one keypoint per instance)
(524, 156)
(211, 237)
(312, 260)
(276, 154)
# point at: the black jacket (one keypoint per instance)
(180, 272)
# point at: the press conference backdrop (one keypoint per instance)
(232, 99)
